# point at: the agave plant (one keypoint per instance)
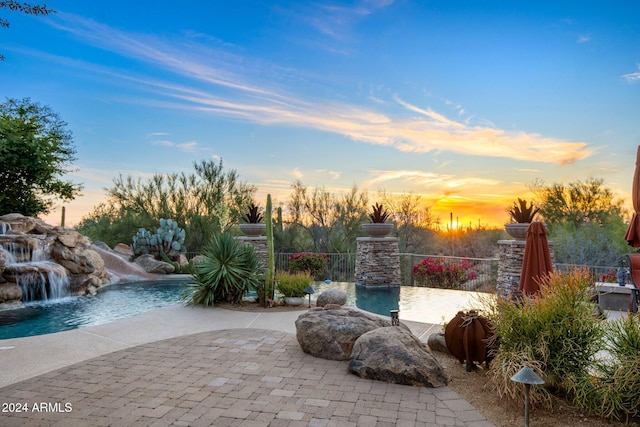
(378, 214)
(253, 216)
(521, 213)
(229, 269)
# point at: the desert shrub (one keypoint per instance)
(227, 271)
(554, 333)
(316, 264)
(611, 391)
(293, 284)
(441, 273)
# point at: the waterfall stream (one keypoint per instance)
(29, 263)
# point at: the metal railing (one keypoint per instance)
(600, 273)
(341, 268)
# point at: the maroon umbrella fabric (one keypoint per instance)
(536, 262)
(632, 236)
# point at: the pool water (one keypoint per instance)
(112, 302)
(119, 301)
(418, 304)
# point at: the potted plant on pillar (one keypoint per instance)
(521, 217)
(378, 227)
(252, 225)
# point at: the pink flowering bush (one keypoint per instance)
(441, 273)
(610, 277)
(316, 264)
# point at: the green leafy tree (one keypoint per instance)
(577, 203)
(36, 150)
(23, 7)
(585, 221)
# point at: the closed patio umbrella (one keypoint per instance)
(536, 262)
(632, 236)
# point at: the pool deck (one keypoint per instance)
(192, 366)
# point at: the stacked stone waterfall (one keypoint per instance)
(40, 261)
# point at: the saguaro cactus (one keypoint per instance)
(270, 273)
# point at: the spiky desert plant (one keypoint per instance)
(253, 216)
(270, 271)
(521, 213)
(378, 214)
(226, 273)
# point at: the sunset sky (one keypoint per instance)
(463, 102)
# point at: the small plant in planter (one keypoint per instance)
(378, 227)
(252, 225)
(520, 213)
(253, 216)
(521, 216)
(379, 214)
(292, 285)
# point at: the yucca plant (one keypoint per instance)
(521, 213)
(378, 214)
(227, 272)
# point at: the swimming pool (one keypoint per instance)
(119, 301)
(418, 304)
(112, 302)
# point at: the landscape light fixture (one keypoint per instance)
(395, 317)
(527, 377)
(308, 291)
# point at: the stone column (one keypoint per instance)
(259, 244)
(510, 256)
(377, 261)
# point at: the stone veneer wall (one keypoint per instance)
(510, 256)
(377, 261)
(259, 246)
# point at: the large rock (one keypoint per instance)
(124, 251)
(152, 265)
(70, 238)
(10, 292)
(332, 296)
(75, 263)
(395, 355)
(330, 332)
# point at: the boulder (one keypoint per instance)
(152, 265)
(330, 332)
(436, 342)
(10, 292)
(75, 263)
(97, 262)
(124, 251)
(12, 217)
(395, 355)
(332, 296)
(70, 238)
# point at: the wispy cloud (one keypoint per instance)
(428, 179)
(336, 20)
(224, 85)
(584, 38)
(632, 77)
